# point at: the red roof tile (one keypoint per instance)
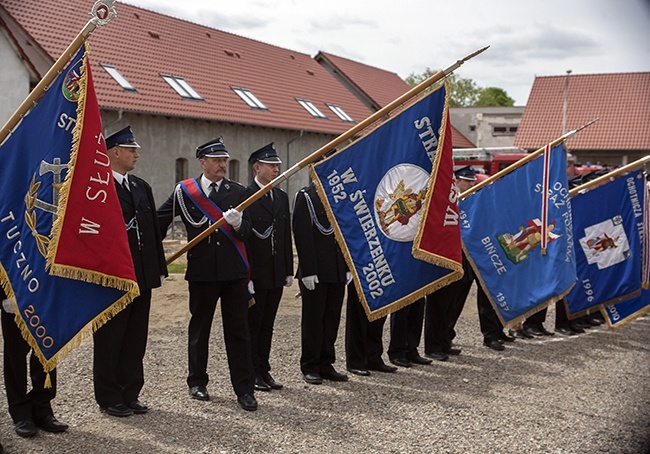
(621, 101)
(142, 44)
(380, 86)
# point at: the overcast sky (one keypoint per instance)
(526, 38)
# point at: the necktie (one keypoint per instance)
(125, 184)
(213, 192)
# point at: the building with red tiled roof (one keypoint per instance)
(375, 87)
(620, 100)
(180, 84)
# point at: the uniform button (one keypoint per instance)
(218, 243)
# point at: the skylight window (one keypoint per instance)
(182, 87)
(249, 98)
(118, 77)
(311, 108)
(340, 113)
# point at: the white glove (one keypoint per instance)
(310, 282)
(251, 288)
(162, 279)
(233, 217)
(288, 281)
(348, 277)
(9, 305)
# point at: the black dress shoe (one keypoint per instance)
(25, 428)
(532, 331)
(576, 329)
(494, 345)
(383, 368)
(199, 393)
(360, 372)
(334, 376)
(417, 359)
(401, 361)
(438, 356)
(506, 337)
(453, 351)
(119, 410)
(138, 407)
(565, 330)
(545, 332)
(313, 379)
(247, 402)
(594, 321)
(272, 382)
(261, 385)
(51, 424)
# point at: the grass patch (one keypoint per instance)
(176, 268)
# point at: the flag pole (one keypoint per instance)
(524, 160)
(609, 176)
(103, 11)
(330, 146)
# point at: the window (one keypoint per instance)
(504, 130)
(181, 169)
(118, 77)
(181, 87)
(311, 108)
(249, 98)
(472, 128)
(233, 169)
(340, 113)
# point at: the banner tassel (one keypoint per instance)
(48, 381)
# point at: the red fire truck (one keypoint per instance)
(487, 160)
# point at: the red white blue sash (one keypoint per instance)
(192, 189)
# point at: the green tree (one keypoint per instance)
(494, 96)
(464, 92)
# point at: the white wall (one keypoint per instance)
(14, 79)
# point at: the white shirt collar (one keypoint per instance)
(119, 177)
(205, 184)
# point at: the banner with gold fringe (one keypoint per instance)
(65, 260)
(374, 192)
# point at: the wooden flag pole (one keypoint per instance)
(609, 176)
(103, 11)
(523, 161)
(328, 147)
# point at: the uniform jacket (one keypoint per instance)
(145, 241)
(215, 258)
(318, 254)
(271, 257)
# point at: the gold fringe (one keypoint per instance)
(251, 302)
(48, 381)
(618, 299)
(455, 267)
(627, 320)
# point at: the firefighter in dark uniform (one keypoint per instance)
(323, 276)
(217, 268)
(271, 257)
(119, 345)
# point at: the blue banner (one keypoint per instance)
(608, 228)
(375, 190)
(620, 314)
(500, 229)
(39, 161)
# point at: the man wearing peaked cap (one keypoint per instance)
(124, 138)
(217, 268)
(271, 260)
(119, 346)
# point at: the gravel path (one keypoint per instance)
(584, 394)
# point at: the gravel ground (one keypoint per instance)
(584, 394)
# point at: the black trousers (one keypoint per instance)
(363, 343)
(406, 330)
(491, 326)
(234, 313)
(442, 310)
(261, 318)
(319, 326)
(118, 354)
(36, 403)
